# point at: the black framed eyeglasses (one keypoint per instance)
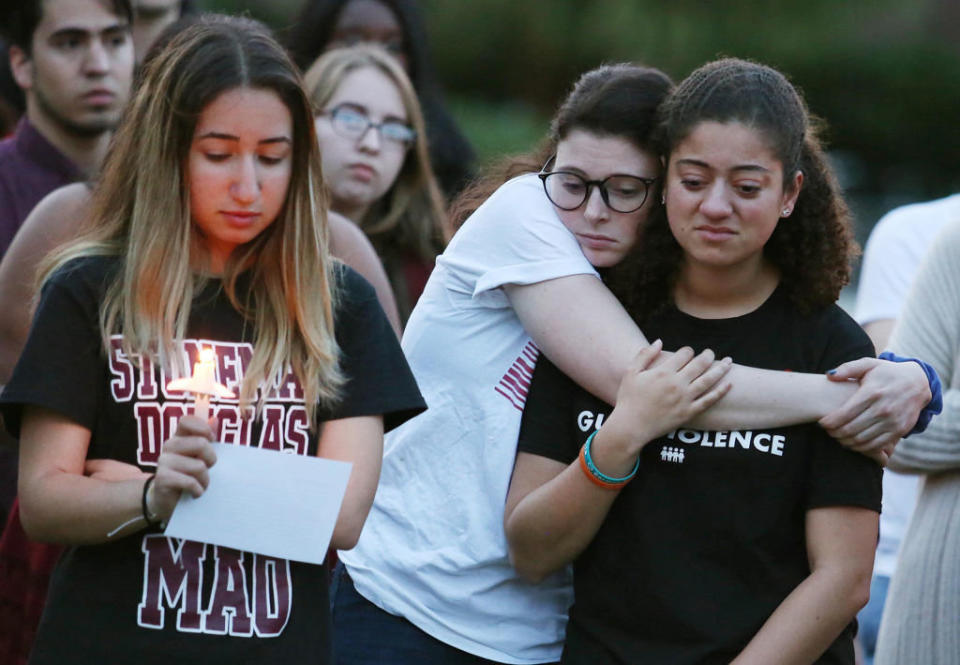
(568, 190)
(352, 122)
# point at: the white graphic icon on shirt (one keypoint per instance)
(671, 454)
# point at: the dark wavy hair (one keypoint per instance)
(450, 152)
(813, 249)
(612, 100)
(20, 21)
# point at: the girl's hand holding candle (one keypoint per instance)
(183, 466)
(177, 470)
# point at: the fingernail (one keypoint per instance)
(831, 371)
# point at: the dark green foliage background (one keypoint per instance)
(883, 74)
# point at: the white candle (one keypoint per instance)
(203, 372)
(203, 369)
(202, 384)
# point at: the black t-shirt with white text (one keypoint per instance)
(707, 540)
(147, 598)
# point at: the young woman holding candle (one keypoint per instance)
(209, 229)
(750, 546)
(430, 577)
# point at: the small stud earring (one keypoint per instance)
(663, 198)
(786, 212)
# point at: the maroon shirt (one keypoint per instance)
(30, 168)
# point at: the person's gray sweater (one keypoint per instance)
(921, 622)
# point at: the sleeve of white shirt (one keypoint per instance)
(890, 262)
(515, 237)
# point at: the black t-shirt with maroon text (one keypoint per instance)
(147, 598)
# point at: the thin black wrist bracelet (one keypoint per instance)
(151, 520)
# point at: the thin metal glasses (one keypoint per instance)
(352, 121)
(568, 190)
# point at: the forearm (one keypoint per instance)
(71, 509)
(807, 622)
(358, 441)
(758, 398)
(357, 502)
(560, 510)
(555, 523)
(594, 342)
(761, 398)
(58, 504)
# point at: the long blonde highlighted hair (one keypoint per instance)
(141, 214)
(410, 218)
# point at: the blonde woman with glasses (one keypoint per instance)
(376, 163)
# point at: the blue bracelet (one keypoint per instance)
(935, 405)
(600, 475)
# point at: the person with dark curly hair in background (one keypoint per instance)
(398, 26)
(747, 546)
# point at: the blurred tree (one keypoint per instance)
(884, 74)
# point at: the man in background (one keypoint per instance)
(73, 59)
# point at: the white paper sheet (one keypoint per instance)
(265, 502)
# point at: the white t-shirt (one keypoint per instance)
(433, 549)
(894, 251)
(893, 254)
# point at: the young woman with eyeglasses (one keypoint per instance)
(376, 163)
(430, 579)
(399, 27)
